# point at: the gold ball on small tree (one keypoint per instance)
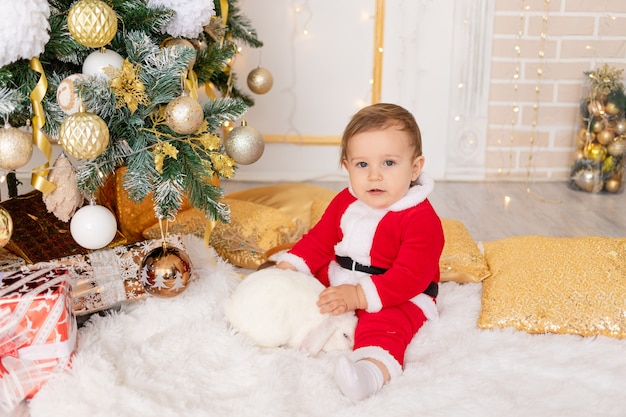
(92, 23)
(16, 148)
(244, 144)
(84, 135)
(260, 80)
(184, 115)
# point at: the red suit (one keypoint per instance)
(406, 239)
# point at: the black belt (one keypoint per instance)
(348, 263)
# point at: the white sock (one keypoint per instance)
(358, 380)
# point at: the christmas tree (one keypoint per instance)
(116, 82)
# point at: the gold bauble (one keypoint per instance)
(595, 152)
(165, 271)
(16, 148)
(620, 127)
(84, 135)
(578, 154)
(617, 147)
(611, 108)
(244, 144)
(169, 42)
(597, 126)
(596, 107)
(583, 137)
(613, 185)
(588, 180)
(184, 115)
(260, 80)
(604, 137)
(92, 23)
(6, 227)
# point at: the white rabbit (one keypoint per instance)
(276, 307)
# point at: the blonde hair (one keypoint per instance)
(382, 116)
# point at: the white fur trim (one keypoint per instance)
(374, 303)
(358, 223)
(381, 355)
(294, 260)
(416, 194)
(427, 305)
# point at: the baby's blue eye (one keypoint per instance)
(388, 163)
(361, 164)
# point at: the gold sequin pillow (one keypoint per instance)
(253, 229)
(293, 199)
(461, 259)
(556, 285)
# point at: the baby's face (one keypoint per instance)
(381, 166)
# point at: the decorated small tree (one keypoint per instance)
(601, 140)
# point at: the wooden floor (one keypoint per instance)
(493, 210)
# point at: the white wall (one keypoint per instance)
(321, 79)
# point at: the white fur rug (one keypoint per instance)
(178, 357)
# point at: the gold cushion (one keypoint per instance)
(253, 229)
(556, 285)
(461, 259)
(293, 199)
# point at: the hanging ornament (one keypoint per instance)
(92, 23)
(244, 144)
(67, 97)
(170, 42)
(84, 135)
(93, 226)
(6, 227)
(66, 197)
(96, 61)
(260, 80)
(184, 115)
(165, 271)
(16, 148)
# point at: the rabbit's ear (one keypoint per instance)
(315, 340)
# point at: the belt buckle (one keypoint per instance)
(353, 268)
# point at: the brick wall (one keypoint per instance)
(533, 118)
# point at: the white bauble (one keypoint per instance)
(67, 98)
(93, 227)
(100, 59)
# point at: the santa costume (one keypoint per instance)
(393, 253)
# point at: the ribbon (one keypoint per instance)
(224, 9)
(191, 84)
(38, 177)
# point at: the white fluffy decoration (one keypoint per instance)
(24, 31)
(191, 16)
(178, 357)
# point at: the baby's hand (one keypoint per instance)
(341, 299)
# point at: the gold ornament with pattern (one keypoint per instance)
(84, 135)
(166, 271)
(127, 86)
(16, 148)
(92, 23)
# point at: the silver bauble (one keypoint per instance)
(244, 144)
(588, 180)
(16, 148)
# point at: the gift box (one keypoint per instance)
(38, 235)
(37, 331)
(106, 278)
